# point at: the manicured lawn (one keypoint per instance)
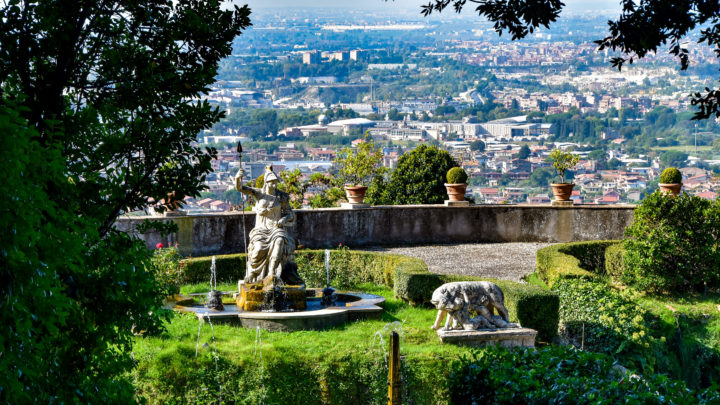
(230, 340)
(167, 365)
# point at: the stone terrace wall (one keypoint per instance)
(401, 225)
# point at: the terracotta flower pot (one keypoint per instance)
(562, 191)
(456, 192)
(670, 188)
(355, 194)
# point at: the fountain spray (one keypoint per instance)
(214, 298)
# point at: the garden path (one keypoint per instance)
(504, 261)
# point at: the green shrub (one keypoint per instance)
(672, 245)
(348, 269)
(670, 175)
(615, 261)
(419, 177)
(559, 375)
(531, 306)
(599, 318)
(584, 260)
(563, 161)
(168, 267)
(457, 175)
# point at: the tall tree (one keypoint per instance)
(419, 177)
(642, 27)
(104, 98)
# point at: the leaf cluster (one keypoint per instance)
(419, 177)
(672, 245)
(596, 317)
(519, 18)
(99, 111)
(559, 374)
(358, 166)
(562, 161)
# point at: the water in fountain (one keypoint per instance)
(259, 358)
(215, 357)
(277, 299)
(328, 293)
(258, 347)
(388, 329)
(327, 266)
(214, 298)
(213, 275)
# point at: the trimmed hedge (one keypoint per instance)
(583, 260)
(615, 261)
(228, 268)
(347, 268)
(532, 306)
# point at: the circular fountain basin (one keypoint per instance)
(349, 306)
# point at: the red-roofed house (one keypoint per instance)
(709, 195)
(611, 197)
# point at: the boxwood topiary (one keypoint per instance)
(671, 175)
(457, 175)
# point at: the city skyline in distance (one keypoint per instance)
(404, 6)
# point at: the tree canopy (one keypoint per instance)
(419, 177)
(99, 110)
(643, 27)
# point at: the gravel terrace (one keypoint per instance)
(505, 261)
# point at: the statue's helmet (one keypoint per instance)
(270, 175)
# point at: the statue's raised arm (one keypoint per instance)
(252, 191)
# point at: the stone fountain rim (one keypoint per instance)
(367, 303)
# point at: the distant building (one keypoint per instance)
(340, 56)
(311, 57)
(358, 54)
(344, 126)
(538, 199)
(517, 127)
(315, 80)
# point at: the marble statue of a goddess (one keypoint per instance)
(271, 250)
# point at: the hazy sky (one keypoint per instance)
(574, 5)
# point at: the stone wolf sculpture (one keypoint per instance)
(457, 299)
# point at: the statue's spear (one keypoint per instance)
(242, 197)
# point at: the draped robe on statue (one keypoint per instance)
(271, 251)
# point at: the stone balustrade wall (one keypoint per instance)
(220, 233)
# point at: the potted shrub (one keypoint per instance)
(563, 161)
(670, 181)
(357, 167)
(456, 184)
